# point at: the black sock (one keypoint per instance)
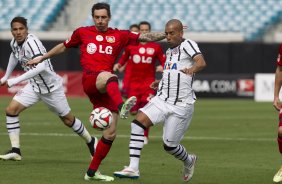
(90, 172)
(16, 150)
(91, 146)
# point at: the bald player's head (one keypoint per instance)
(174, 32)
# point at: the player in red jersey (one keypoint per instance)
(99, 46)
(140, 58)
(276, 103)
(126, 70)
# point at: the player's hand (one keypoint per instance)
(276, 104)
(159, 68)
(117, 67)
(34, 61)
(155, 84)
(187, 71)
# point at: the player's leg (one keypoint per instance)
(103, 148)
(57, 103)
(108, 82)
(24, 98)
(278, 176)
(174, 129)
(146, 117)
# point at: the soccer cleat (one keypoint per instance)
(127, 172)
(127, 105)
(92, 145)
(188, 171)
(278, 176)
(99, 177)
(11, 155)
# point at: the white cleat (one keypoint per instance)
(10, 155)
(128, 104)
(127, 172)
(278, 176)
(188, 171)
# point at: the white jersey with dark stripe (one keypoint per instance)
(47, 80)
(175, 86)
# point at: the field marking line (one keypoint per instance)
(153, 137)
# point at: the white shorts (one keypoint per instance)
(176, 119)
(56, 100)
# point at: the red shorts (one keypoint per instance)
(143, 93)
(97, 98)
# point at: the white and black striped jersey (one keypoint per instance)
(42, 77)
(175, 87)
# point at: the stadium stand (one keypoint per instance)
(40, 13)
(250, 17)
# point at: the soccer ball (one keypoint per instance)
(101, 118)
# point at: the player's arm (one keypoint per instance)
(27, 75)
(58, 49)
(200, 64)
(277, 86)
(122, 61)
(11, 66)
(151, 37)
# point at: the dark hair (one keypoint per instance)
(99, 6)
(133, 25)
(21, 20)
(145, 23)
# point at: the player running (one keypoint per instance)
(43, 84)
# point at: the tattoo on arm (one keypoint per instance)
(151, 37)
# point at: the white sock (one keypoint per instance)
(135, 146)
(13, 127)
(80, 129)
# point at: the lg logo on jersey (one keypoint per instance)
(92, 48)
(137, 59)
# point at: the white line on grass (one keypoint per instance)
(152, 137)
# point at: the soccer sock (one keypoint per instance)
(113, 90)
(13, 127)
(136, 143)
(101, 152)
(180, 153)
(146, 132)
(80, 129)
(279, 137)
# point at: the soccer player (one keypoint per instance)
(43, 84)
(99, 46)
(276, 103)
(173, 104)
(140, 58)
(133, 28)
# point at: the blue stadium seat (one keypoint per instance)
(249, 17)
(40, 13)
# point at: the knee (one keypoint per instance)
(68, 120)
(109, 134)
(280, 131)
(168, 147)
(11, 111)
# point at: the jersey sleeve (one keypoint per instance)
(279, 59)
(124, 57)
(74, 40)
(130, 38)
(191, 48)
(11, 66)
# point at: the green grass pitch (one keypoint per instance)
(235, 141)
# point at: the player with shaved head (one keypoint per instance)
(173, 104)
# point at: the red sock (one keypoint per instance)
(146, 132)
(101, 152)
(113, 90)
(279, 140)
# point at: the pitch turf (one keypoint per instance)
(235, 141)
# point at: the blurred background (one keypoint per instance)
(238, 38)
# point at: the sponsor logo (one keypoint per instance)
(110, 39)
(91, 48)
(142, 50)
(150, 51)
(99, 38)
